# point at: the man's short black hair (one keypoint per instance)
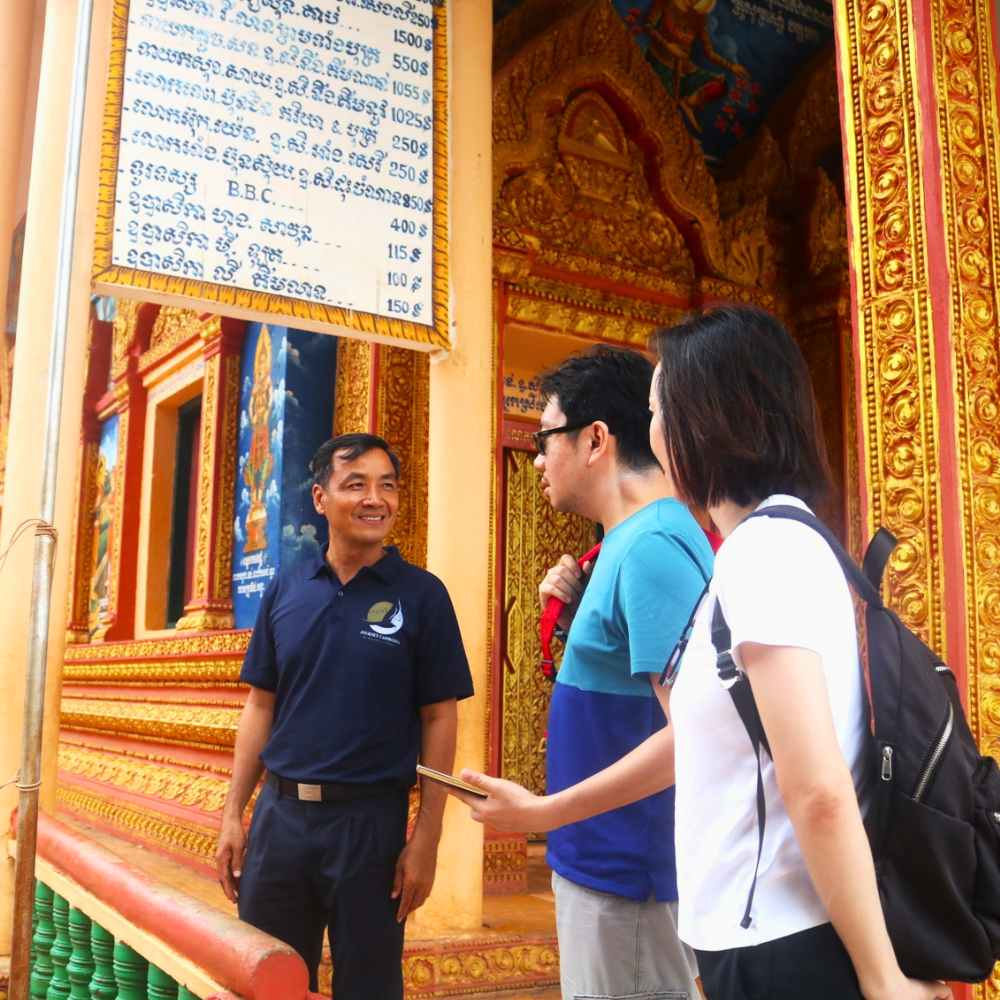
(348, 447)
(738, 411)
(609, 384)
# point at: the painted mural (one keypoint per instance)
(286, 412)
(102, 519)
(724, 62)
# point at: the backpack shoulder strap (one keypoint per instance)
(877, 556)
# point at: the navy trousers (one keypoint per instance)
(328, 866)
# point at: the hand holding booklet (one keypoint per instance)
(450, 780)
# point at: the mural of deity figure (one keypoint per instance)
(673, 28)
(104, 505)
(260, 462)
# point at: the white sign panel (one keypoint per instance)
(284, 148)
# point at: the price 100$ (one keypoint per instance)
(400, 251)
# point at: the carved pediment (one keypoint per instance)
(587, 202)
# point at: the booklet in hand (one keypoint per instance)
(451, 781)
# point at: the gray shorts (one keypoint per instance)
(613, 948)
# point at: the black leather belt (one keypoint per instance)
(336, 792)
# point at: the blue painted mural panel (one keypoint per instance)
(724, 62)
(309, 374)
(286, 412)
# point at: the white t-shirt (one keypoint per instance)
(780, 585)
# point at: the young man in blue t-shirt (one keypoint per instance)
(608, 744)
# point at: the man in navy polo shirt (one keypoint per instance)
(355, 666)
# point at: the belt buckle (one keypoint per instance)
(310, 793)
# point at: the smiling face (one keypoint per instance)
(361, 498)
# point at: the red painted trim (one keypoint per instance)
(952, 544)
(250, 963)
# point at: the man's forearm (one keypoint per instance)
(251, 736)
(439, 729)
(646, 770)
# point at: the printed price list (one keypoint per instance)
(281, 146)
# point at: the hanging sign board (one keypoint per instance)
(280, 159)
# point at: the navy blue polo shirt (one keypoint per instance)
(351, 666)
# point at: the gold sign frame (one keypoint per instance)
(266, 307)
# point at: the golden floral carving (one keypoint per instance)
(166, 832)
(188, 724)
(353, 401)
(505, 864)
(232, 643)
(160, 780)
(173, 329)
(899, 431)
(402, 407)
(827, 228)
(536, 536)
(81, 563)
(460, 968)
(584, 321)
(123, 334)
(587, 202)
(594, 44)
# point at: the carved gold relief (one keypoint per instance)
(123, 334)
(402, 408)
(206, 792)
(353, 404)
(198, 725)
(195, 841)
(536, 536)
(480, 966)
(587, 201)
(233, 643)
(595, 44)
(827, 228)
(173, 328)
(81, 562)
(894, 319)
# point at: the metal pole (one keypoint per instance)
(29, 775)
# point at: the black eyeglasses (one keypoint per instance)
(539, 437)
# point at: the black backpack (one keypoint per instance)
(934, 816)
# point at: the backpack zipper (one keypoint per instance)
(887, 763)
(932, 762)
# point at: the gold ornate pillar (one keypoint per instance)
(211, 603)
(921, 135)
(894, 331)
(126, 399)
(81, 562)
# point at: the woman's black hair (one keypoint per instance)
(738, 412)
(348, 447)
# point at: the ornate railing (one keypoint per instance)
(105, 930)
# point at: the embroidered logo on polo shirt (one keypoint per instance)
(384, 620)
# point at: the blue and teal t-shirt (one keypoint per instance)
(638, 600)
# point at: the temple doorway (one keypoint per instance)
(650, 159)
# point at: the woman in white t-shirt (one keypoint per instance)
(735, 423)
